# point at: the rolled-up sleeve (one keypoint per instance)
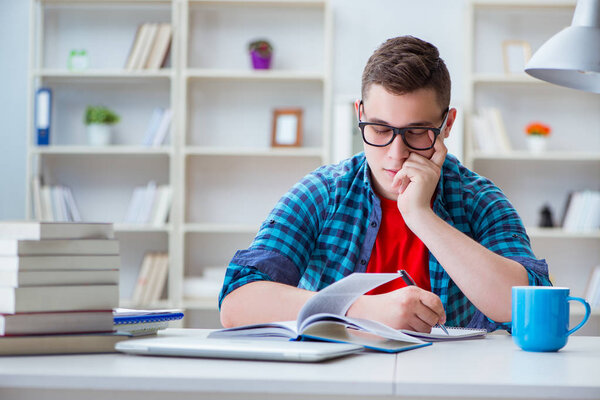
(257, 265)
(282, 247)
(499, 228)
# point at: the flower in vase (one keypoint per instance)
(538, 129)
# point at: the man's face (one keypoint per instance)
(419, 108)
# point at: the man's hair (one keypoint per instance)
(405, 64)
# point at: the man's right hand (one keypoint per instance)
(408, 308)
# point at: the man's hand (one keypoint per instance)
(417, 179)
(407, 308)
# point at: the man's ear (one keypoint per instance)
(449, 122)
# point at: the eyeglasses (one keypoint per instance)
(415, 137)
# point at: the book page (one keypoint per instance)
(339, 296)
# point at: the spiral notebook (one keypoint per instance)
(454, 333)
(143, 322)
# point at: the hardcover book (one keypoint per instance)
(35, 230)
(56, 322)
(58, 298)
(59, 247)
(61, 344)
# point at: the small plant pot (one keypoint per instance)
(260, 62)
(99, 134)
(537, 144)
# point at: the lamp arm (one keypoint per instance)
(587, 13)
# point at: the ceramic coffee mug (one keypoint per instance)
(540, 317)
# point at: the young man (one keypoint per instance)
(402, 204)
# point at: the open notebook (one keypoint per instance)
(323, 318)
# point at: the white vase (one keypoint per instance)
(99, 134)
(536, 144)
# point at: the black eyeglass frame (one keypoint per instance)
(401, 131)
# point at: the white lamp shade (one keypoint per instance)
(571, 58)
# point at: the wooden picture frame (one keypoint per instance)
(515, 55)
(287, 127)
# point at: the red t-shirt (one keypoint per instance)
(397, 247)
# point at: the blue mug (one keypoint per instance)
(540, 317)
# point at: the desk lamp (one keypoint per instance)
(571, 58)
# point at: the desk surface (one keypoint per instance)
(491, 367)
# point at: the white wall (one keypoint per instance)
(14, 42)
(359, 27)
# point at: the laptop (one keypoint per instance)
(247, 349)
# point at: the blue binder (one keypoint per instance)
(43, 114)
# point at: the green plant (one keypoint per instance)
(262, 46)
(100, 115)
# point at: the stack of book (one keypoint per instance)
(58, 286)
(150, 47)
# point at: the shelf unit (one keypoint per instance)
(572, 161)
(218, 159)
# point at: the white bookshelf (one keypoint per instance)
(218, 159)
(572, 161)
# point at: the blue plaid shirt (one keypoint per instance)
(325, 227)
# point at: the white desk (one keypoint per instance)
(492, 367)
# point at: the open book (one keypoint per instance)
(323, 317)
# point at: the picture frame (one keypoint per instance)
(287, 127)
(515, 55)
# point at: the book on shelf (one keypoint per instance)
(82, 343)
(592, 293)
(160, 47)
(150, 47)
(323, 318)
(489, 131)
(46, 202)
(56, 322)
(151, 279)
(144, 322)
(59, 262)
(149, 204)
(15, 247)
(35, 230)
(146, 45)
(36, 197)
(140, 47)
(582, 212)
(145, 207)
(58, 298)
(135, 47)
(163, 128)
(158, 127)
(161, 206)
(24, 278)
(54, 203)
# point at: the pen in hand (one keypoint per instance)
(409, 282)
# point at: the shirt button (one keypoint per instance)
(373, 224)
(363, 262)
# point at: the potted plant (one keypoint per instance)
(537, 136)
(261, 53)
(99, 121)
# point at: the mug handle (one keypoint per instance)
(585, 317)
